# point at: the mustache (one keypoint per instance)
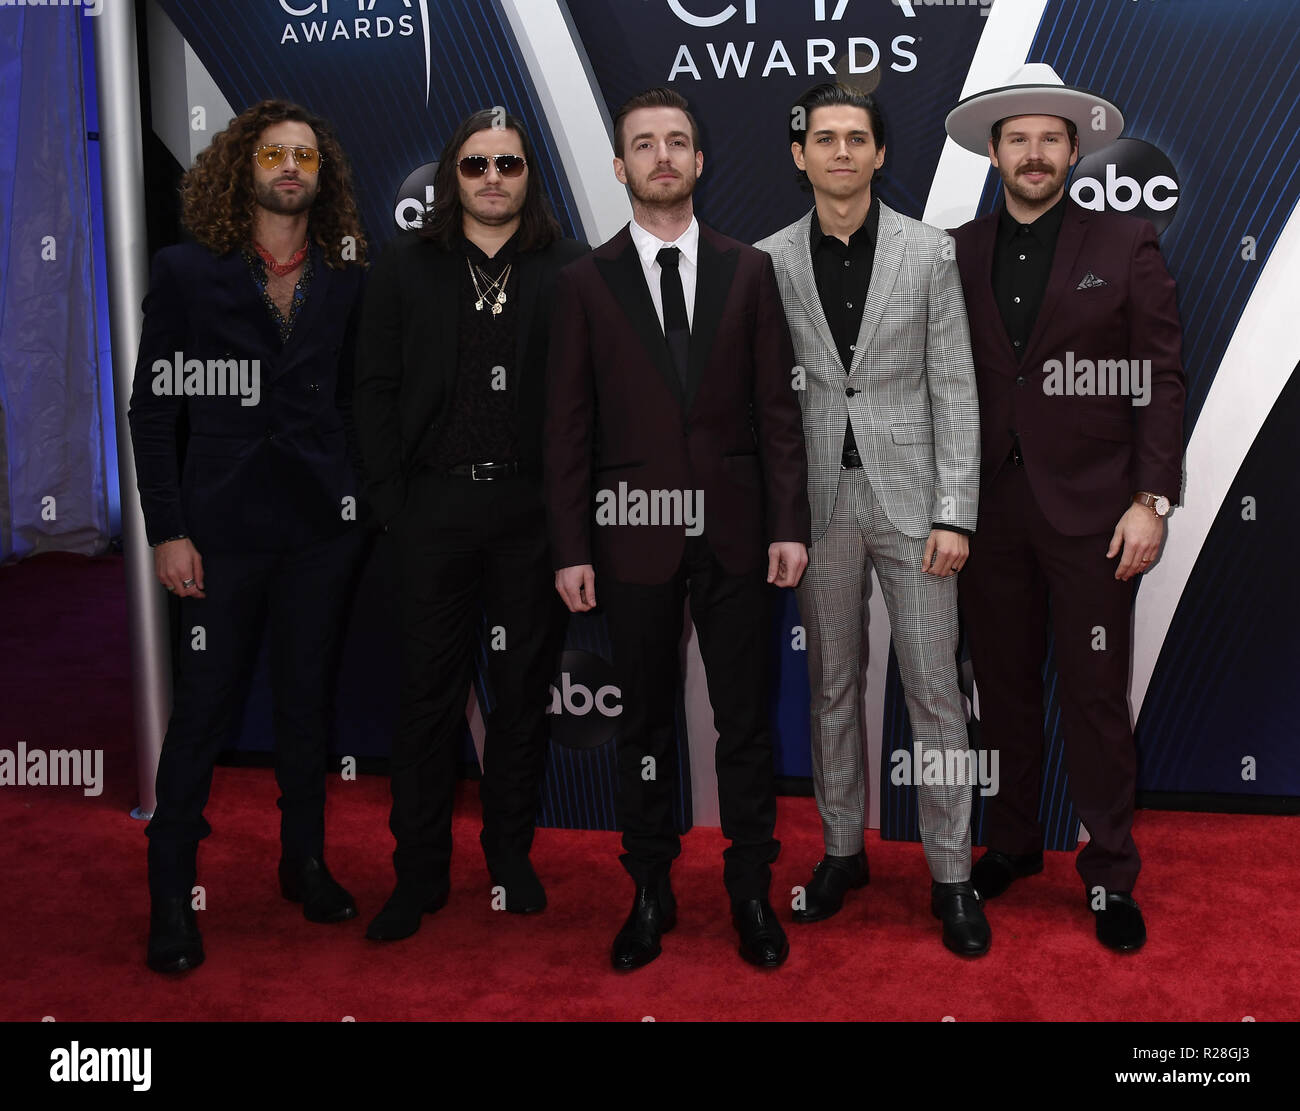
(1035, 168)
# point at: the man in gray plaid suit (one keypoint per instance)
(891, 424)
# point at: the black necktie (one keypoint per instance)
(677, 328)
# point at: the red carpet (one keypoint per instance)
(1217, 891)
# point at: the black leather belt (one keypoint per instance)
(1016, 457)
(484, 472)
(851, 460)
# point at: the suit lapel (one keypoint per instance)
(803, 281)
(1074, 229)
(528, 267)
(248, 305)
(714, 272)
(884, 273)
(984, 308)
(626, 281)
(435, 307)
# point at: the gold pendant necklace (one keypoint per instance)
(495, 293)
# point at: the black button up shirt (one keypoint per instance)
(843, 275)
(1022, 261)
(478, 423)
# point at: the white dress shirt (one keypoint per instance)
(648, 246)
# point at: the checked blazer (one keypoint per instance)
(910, 392)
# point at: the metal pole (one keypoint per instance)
(122, 162)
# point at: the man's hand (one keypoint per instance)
(176, 563)
(786, 561)
(945, 552)
(1139, 533)
(577, 586)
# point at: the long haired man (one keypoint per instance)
(247, 344)
(449, 408)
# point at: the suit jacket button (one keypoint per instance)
(850, 392)
(313, 386)
(1020, 380)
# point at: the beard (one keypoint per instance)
(286, 204)
(662, 194)
(492, 217)
(1029, 193)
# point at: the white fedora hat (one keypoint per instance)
(1035, 90)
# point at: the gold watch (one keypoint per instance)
(1157, 503)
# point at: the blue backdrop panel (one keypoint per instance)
(372, 86)
(749, 187)
(1191, 78)
(1223, 715)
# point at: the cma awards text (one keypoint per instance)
(851, 54)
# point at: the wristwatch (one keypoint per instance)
(1157, 503)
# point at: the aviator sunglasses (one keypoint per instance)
(271, 155)
(476, 165)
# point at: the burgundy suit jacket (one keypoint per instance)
(617, 413)
(1109, 297)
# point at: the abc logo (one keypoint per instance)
(413, 197)
(585, 701)
(1128, 176)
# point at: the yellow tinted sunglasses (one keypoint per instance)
(273, 154)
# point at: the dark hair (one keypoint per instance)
(217, 198)
(829, 94)
(1071, 129)
(443, 221)
(654, 98)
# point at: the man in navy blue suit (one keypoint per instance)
(248, 336)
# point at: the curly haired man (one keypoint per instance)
(250, 501)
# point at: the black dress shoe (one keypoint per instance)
(174, 941)
(401, 914)
(306, 880)
(524, 893)
(762, 941)
(994, 872)
(654, 913)
(1120, 925)
(965, 929)
(833, 878)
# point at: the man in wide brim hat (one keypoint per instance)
(1078, 362)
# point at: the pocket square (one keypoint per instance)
(1091, 281)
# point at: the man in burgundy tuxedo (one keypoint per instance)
(1078, 359)
(675, 466)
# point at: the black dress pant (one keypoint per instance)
(469, 551)
(1022, 573)
(306, 591)
(731, 616)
